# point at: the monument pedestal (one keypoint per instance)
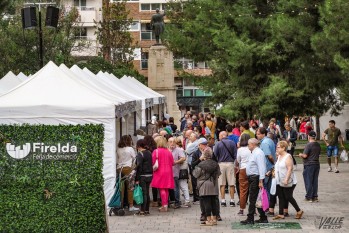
(161, 78)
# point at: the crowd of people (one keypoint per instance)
(208, 158)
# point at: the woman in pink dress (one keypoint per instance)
(163, 176)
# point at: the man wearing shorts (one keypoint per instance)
(225, 154)
(333, 137)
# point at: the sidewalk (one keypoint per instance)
(333, 202)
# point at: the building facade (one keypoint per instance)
(189, 96)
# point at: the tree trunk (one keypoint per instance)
(317, 122)
(106, 48)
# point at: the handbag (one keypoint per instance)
(183, 174)
(156, 164)
(138, 195)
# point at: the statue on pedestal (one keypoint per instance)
(157, 24)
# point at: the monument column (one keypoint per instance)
(161, 78)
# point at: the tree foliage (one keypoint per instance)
(96, 64)
(19, 48)
(113, 34)
(261, 54)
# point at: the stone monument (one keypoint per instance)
(161, 78)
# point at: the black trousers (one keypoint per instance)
(194, 185)
(144, 182)
(155, 192)
(210, 205)
(202, 206)
(253, 190)
(285, 195)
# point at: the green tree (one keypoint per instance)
(261, 55)
(113, 34)
(19, 48)
(3, 5)
(96, 64)
(332, 43)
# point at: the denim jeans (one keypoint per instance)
(177, 190)
(311, 177)
(175, 193)
(332, 151)
(267, 184)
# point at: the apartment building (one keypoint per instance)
(189, 96)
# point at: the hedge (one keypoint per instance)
(39, 195)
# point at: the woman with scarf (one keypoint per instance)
(207, 173)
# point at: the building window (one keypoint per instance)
(81, 33)
(135, 26)
(155, 6)
(151, 6)
(147, 32)
(188, 92)
(199, 92)
(144, 60)
(80, 3)
(179, 93)
(145, 7)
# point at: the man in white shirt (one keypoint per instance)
(255, 171)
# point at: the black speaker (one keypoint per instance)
(52, 15)
(29, 17)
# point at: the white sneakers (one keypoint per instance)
(133, 208)
(335, 170)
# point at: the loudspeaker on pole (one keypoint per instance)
(29, 17)
(52, 15)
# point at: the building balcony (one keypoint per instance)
(88, 16)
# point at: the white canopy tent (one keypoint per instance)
(158, 99)
(88, 78)
(9, 81)
(22, 76)
(147, 102)
(161, 98)
(52, 97)
(115, 83)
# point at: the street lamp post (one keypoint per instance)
(29, 21)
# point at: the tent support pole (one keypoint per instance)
(120, 127)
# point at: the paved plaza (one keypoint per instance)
(333, 202)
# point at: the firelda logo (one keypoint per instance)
(41, 151)
(17, 152)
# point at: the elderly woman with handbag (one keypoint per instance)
(207, 173)
(162, 161)
(285, 181)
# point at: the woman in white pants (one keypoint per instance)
(183, 180)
